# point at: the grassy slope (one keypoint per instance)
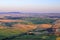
(8, 32)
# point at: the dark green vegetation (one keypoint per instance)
(9, 24)
(40, 20)
(33, 37)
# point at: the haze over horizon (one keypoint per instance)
(38, 6)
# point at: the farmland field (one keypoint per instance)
(19, 29)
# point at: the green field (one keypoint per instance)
(34, 37)
(8, 33)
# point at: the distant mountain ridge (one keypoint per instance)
(20, 14)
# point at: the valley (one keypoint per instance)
(12, 28)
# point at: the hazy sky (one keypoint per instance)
(43, 6)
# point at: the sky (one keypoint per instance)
(38, 6)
